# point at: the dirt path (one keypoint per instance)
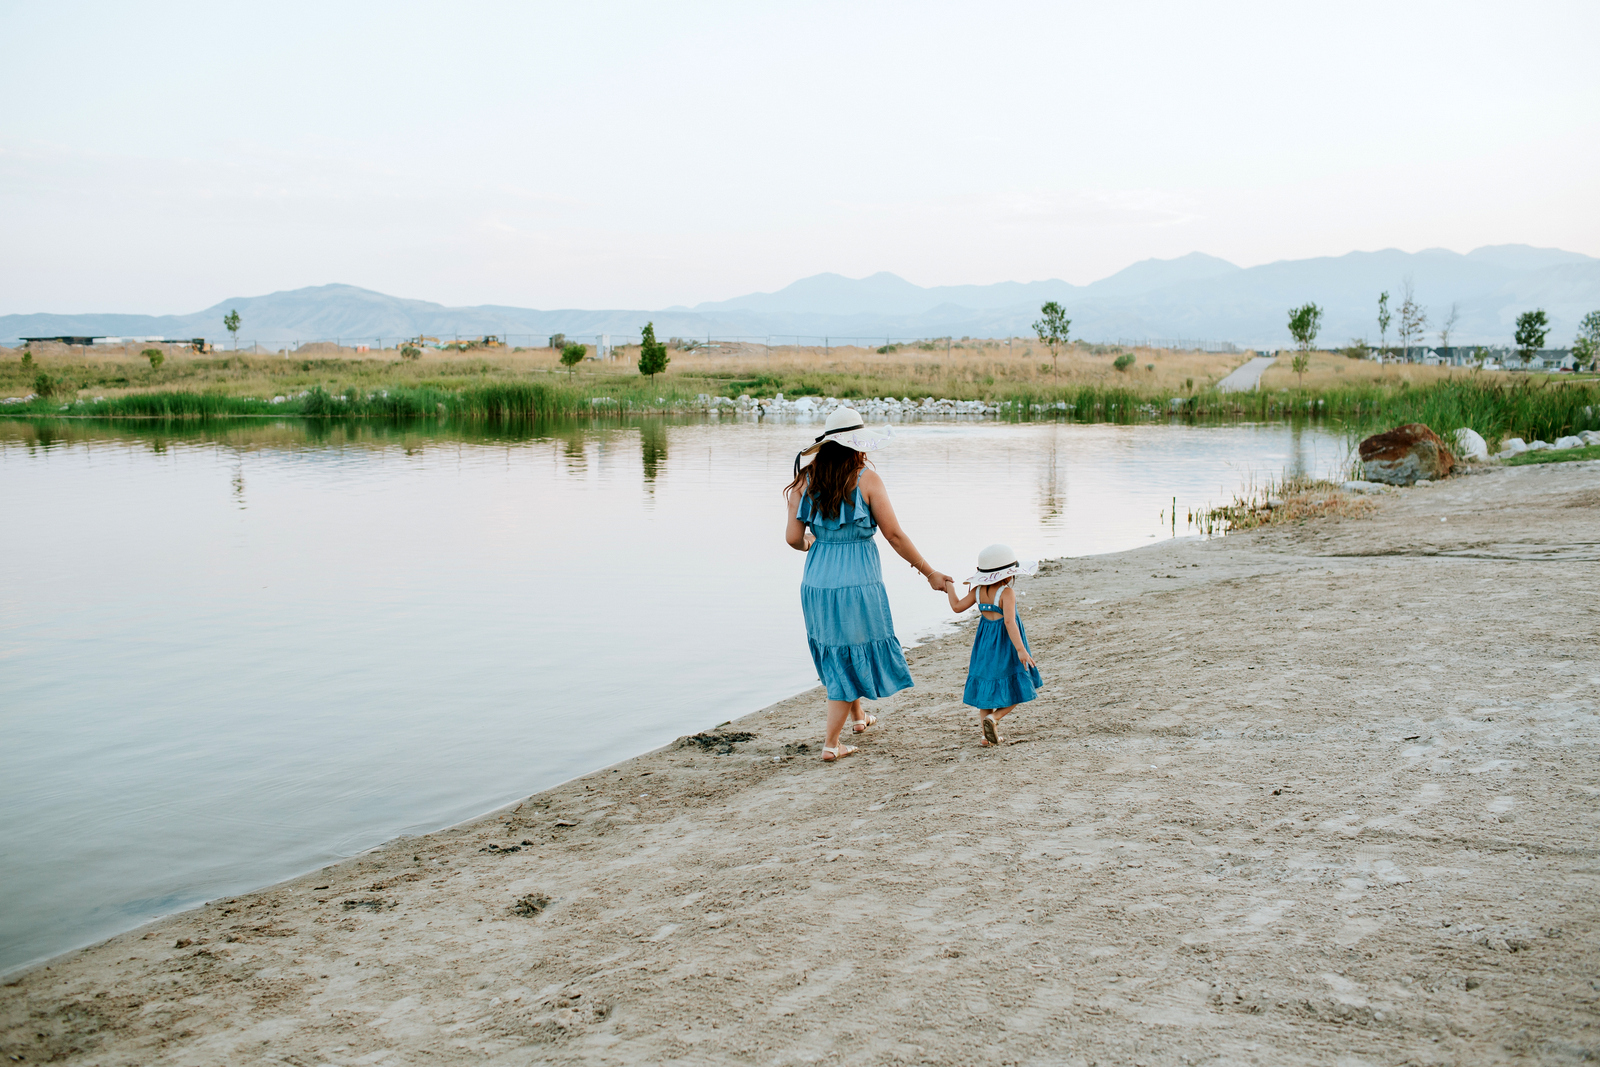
(1247, 377)
(1322, 795)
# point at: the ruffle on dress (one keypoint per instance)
(853, 511)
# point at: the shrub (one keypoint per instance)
(47, 386)
(411, 352)
(155, 356)
(558, 341)
(27, 358)
(1123, 362)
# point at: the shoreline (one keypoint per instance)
(1266, 774)
(944, 630)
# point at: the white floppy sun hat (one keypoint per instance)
(997, 563)
(845, 426)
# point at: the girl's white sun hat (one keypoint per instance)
(997, 563)
(845, 426)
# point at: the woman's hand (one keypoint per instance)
(810, 539)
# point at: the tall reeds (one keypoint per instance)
(1528, 407)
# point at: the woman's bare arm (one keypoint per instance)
(877, 498)
(795, 534)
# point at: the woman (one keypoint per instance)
(836, 504)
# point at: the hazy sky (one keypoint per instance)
(160, 157)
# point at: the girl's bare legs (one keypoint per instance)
(838, 711)
(991, 719)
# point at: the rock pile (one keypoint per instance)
(1516, 446)
(869, 407)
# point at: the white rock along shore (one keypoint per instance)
(1309, 795)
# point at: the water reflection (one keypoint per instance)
(653, 449)
(1052, 487)
(198, 697)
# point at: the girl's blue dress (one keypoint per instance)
(846, 606)
(996, 678)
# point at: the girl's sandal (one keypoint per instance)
(860, 725)
(991, 730)
(831, 754)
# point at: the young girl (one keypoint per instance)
(1002, 673)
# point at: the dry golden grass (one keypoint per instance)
(967, 369)
(1286, 503)
(1330, 370)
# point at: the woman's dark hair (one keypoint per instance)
(829, 477)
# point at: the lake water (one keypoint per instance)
(228, 656)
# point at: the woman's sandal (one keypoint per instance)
(836, 753)
(860, 725)
(991, 730)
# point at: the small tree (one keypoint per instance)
(230, 322)
(1413, 320)
(1052, 330)
(155, 356)
(1384, 318)
(1304, 322)
(652, 353)
(1532, 327)
(572, 355)
(1587, 346)
(1448, 326)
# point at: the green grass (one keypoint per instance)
(1565, 455)
(496, 400)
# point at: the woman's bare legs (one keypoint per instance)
(860, 720)
(838, 711)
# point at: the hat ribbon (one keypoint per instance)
(991, 570)
(840, 429)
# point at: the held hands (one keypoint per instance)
(940, 583)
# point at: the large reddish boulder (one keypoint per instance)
(1406, 455)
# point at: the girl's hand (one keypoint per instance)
(1027, 660)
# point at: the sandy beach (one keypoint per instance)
(1319, 794)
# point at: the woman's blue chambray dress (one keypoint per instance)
(846, 606)
(996, 678)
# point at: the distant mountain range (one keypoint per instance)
(1193, 297)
